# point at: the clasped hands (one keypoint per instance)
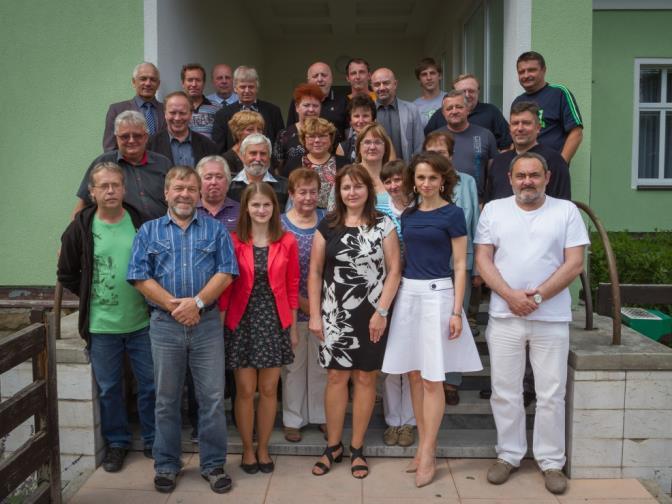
(185, 311)
(521, 302)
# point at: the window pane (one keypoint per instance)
(669, 86)
(649, 136)
(649, 85)
(668, 144)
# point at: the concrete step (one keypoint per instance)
(456, 443)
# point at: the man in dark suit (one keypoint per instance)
(177, 141)
(145, 80)
(246, 85)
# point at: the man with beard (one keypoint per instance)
(255, 151)
(177, 141)
(181, 263)
(529, 249)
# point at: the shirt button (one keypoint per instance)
(433, 286)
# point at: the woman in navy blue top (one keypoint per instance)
(429, 334)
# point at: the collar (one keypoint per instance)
(186, 140)
(169, 219)
(242, 177)
(143, 161)
(228, 203)
(393, 105)
(140, 101)
(254, 106)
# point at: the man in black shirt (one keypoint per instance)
(333, 105)
(525, 127)
(482, 114)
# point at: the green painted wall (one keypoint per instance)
(62, 64)
(618, 38)
(562, 32)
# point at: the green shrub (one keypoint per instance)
(641, 258)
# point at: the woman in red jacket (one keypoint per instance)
(259, 311)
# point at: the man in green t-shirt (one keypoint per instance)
(113, 316)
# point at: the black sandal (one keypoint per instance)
(357, 453)
(329, 453)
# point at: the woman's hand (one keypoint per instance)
(455, 327)
(315, 326)
(377, 326)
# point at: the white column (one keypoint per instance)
(517, 39)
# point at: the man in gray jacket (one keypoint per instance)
(401, 119)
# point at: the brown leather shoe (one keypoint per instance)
(291, 434)
(452, 397)
(406, 435)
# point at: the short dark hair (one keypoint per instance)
(529, 155)
(426, 63)
(361, 101)
(532, 56)
(525, 106)
(303, 176)
(453, 93)
(192, 66)
(444, 136)
(360, 61)
(392, 168)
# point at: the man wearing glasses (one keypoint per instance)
(144, 171)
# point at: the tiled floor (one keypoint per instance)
(457, 481)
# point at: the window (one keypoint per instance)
(652, 133)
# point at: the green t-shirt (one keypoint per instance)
(116, 307)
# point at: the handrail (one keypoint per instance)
(58, 301)
(613, 274)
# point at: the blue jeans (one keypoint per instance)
(201, 347)
(107, 360)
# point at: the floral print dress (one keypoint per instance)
(354, 272)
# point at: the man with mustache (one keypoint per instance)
(255, 151)
(181, 263)
(529, 248)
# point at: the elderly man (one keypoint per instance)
(482, 114)
(561, 123)
(246, 84)
(255, 151)
(529, 249)
(144, 171)
(525, 128)
(222, 80)
(177, 141)
(333, 105)
(474, 146)
(400, 118)
(113, 318)
(145, 81)
(185, 329)
(215, 180)
(192, 77)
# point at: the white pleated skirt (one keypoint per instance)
(419, 330)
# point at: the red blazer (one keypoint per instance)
(283, 276)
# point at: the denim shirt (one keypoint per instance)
(181, 261)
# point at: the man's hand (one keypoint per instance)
(185, 311)
(520, 303)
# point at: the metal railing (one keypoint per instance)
(613, 276)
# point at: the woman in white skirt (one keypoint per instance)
(429, 334)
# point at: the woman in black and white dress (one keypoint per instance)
(354, 275)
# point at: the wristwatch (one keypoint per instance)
(537, 298)
(382, 311)
(199, 303)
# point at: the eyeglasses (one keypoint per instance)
(115, 186)
(373, 143)
(131, 136)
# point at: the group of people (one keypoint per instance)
(351, 245)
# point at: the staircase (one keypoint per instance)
(467, 430)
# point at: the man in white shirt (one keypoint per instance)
(529, 249)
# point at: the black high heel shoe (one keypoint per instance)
(329, 453)
(358, 453)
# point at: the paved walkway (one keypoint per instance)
(457, 481)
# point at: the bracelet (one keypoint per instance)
(456, 315)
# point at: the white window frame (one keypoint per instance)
(664, 106)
